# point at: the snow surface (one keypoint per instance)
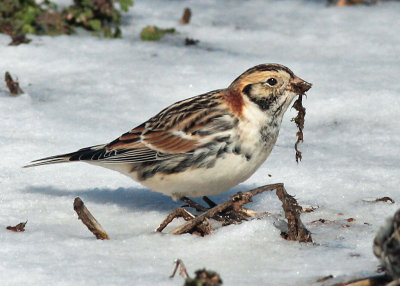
(83, 90)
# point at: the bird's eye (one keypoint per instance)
(272, 81)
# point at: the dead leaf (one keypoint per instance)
(18, 228)
(325, 278)
(187, 14)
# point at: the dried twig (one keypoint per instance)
(309, 209)
(191, 42)
(17, 39)
(232, 211)
(340, 3)
(12, 85)
(235, 202)
(380, 280)
(18, 228)
(296, 229)
(325, 278)
(299, 120)
(385, 199)
(340, 222)
(182, 272)
(203, 277)
(87, 218)
(180, 212)
(187, 14)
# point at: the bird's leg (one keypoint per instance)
(209, 202)
(228, 215)
(193, 204)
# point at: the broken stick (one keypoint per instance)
(235, 201)
(379, 280)
(296, 229)
(187, 14)
(87, 218)
(180, 212)
(18, 228)
(182, 272)
(12, 85)
(233, 208)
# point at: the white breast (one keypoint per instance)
(226, 173)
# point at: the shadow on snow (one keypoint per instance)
(130, 198)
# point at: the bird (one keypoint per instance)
(203, 145)
(386, 247)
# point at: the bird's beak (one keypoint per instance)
(300, 86)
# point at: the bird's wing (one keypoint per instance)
(177, 130)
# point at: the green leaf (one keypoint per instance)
(95, 24)
(28, 15)
(107, 31)
(125, 4)
(86, 3)
(153, 33)
(40, 16)
(88, 13)
(117, 33)
(28, 29)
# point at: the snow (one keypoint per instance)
(83, 91)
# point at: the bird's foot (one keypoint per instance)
(227, 216)
(190, 203)
(209, 202)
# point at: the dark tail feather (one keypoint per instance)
(80, 155)
(64, 158)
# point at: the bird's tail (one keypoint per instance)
(79, 155)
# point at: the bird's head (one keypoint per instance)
(271, 86)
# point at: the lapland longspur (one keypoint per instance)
(203, 145)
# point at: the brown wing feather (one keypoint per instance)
(160, 141)
(178, 129)
(174, 144)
